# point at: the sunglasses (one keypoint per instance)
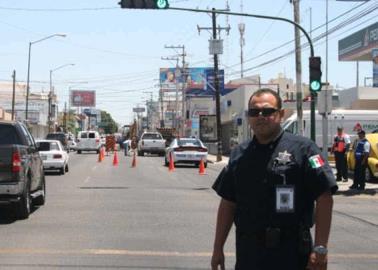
(254, 112)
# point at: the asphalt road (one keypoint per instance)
(100, 216)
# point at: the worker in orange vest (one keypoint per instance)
(341, 143)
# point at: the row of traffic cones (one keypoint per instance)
(101, 157)
(171, 166)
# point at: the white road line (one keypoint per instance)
(87, 179)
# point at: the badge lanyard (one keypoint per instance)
(284, 193)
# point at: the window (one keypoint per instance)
(84, 135)
(152, 136)
(8, 135)
(27, 135)
(92, 135)
(189, 142)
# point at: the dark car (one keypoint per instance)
(60, 136)
(22, 180)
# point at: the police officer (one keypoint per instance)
(361, 155)
(268, 190)
(341, 143)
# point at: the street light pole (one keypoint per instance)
(28, 74)
(51, 94)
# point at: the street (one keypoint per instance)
(100, 216)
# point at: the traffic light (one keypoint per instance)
(144, 4)
(315, 74)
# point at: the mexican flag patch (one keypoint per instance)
(316, 161)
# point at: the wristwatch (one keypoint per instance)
(322, 250)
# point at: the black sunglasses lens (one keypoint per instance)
(264, 112)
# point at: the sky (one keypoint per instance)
(118, 52)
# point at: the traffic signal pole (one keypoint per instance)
(163, 4)
(313, 94)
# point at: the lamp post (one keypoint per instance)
(51, 93)
(28, 76)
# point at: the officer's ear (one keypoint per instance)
(282, 113)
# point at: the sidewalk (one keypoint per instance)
(371, 188)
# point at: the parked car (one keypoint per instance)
(151, 142)
(186, 150)
(22, 179)
(60, 136)
(372, 168)
(72, 145)
(88, 141)
(53, 155)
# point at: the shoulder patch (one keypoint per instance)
(316, 161)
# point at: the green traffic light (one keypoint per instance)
(161, 4)
(315, 86)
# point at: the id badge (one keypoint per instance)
(285, 199)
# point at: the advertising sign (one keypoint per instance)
(374, 56)
(83, 98)
(210, 79)
(170, 78)
(208, 128)
(139, 109)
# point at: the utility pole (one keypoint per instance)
(216, 48)
(14, 92)
(183, 74)
(298, 66)
(241, 27)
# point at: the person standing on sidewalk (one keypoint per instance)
(341, 143)
(361, 155)
(268, 190)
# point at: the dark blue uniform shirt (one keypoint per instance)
(250, 180)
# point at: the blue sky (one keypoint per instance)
(117, 52)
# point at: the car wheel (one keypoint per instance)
(67, 169)
(40, 200)
(166, 163)
(62, 170)
(205, 164)
(140, 153)
(24, 206)
(79, 151)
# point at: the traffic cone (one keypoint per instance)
(133, 164)
(171, 163)
(103, 152)
(202, 167)
(115, 159)
(99, 156)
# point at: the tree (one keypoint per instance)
(107, 123)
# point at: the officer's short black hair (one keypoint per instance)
(362, 132)
(267, 91)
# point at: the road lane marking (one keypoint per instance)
(87, 179)
(150, 253)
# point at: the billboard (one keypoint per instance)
(374, 55)
(170, 78)
(83, 98)
(358, 46)
(208, 128)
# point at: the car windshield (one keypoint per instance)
(151, 136)
(8, 135)
(84, 135)
(91, 135)
(47, 146)
(183, 142)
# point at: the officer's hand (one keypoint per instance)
(217, 260)
(317, 262)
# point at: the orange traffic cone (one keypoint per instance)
(133, 164)
(103, 152)
(99, 156)
(202, 167)
(115, 159)
(171, 163)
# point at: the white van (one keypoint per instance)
(88, 141)
(348, 119)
